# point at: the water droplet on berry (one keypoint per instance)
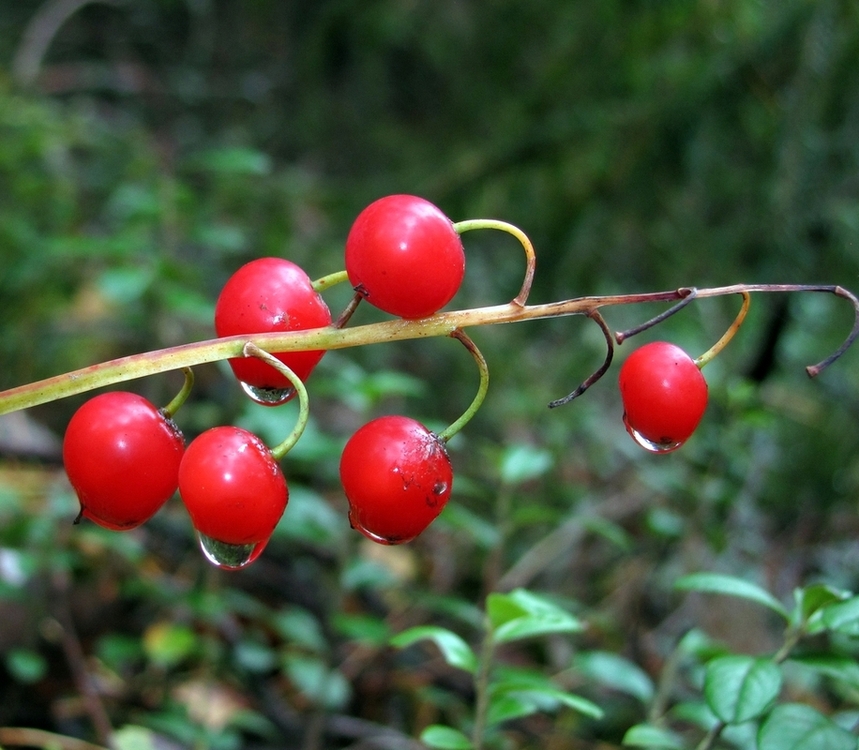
(229, 556)
(650, 445)
(268, 396)
(371, 535)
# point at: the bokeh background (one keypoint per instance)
(148, 148)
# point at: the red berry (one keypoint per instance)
(664, 395)
(122, 457)
(232, 486)
(404, 256)
(263, 296)
(397, 477)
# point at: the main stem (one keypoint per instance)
(441, 324)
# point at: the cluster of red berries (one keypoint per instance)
(125, 458)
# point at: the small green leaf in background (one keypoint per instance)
(316, 681)
(236, 160)
(648, 735)
(25, 665)
(513, 699)
(813, 599)
(794, 726)
(740, 688)
(132, 737)
(523, 614)
(368, 629)
(254, 656)
(842, 617)
(841, 668)
(167, 644)
(300, 627)
(717, 583)
(615, 672)
(445, 738)
(454, 649)
(520, 463)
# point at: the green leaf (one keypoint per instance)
(254, 656)
(26, 666)
(527, 694)
(367, 629)
(842, 668)
(515, 705)
(523, 462)
(445, 738)
(454, 649)
(648, 735)
(523, 614)
(615, 672)
(794, 726)
(300, 627)
(741, 688)
(316, 681)
(131, 737)
(842, 617)
(236, 161)
(812, 599)
(717, 583)
(167, 644)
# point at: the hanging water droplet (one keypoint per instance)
(371, 535)
(268, 396)
(229, 556)
(650, 445)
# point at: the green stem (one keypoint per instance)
(447, 434)
(481, 688)
(710, 738)
(326, 282)
(282, 448)
(170, 410)
(530, 255)
(441, 324)
(728, 335)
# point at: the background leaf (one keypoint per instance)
(454, 649)
(716, 583)
(445, 738)
(795, 726)
(741, 688)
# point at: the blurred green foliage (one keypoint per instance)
(150, 147)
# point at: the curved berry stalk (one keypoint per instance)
(599, 372)
(232, 484)
(122, 455)
(530, 256)
(714, 350)
(397, 474)
(326, 282)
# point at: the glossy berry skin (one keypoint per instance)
(404, 256)
(122, 457)
(232, 486)
(664, 395)
(397, 478)
(269, 295)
